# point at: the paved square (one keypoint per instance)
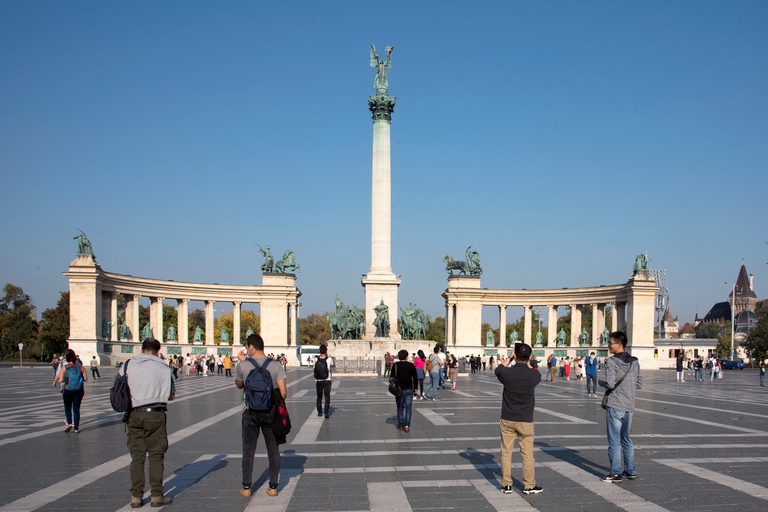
(698, 446)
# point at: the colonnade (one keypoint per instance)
(631, 308)
(93, 300)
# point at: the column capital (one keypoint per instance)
(182, 301)
(236, 303)
(502, 306)
(381, 107)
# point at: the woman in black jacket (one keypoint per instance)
(406, 375)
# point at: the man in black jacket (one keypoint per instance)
(520, 381)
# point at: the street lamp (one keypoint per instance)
(733, 311)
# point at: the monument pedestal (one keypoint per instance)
(380, 287)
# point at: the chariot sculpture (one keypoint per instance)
(471, 266)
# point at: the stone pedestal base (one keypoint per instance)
(378, 288)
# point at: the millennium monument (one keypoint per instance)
(381, 283)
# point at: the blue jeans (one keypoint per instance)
(699, 374)
(593, 379)
(404, 404)
(761, 378)
(619, 424)
(434, 380)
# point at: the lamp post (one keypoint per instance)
(733, 311)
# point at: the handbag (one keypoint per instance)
(428, 365)
(394, 383)
(604, 403)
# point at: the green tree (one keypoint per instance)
(226, 321)
(315, 329)
(17, 320)
(249, 319)
(54, 327)
(436, 331)
(757, 339)
(711, 330)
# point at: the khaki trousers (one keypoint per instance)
(147, 438)
(552, 373)
(523, 432)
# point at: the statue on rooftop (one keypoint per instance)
(83, 244)
(641, 262)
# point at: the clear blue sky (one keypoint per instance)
(559, 139)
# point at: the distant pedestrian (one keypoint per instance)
(405, 372)
(72, 376)
(151, 388)
(55, 365)
(552, 363)
(95, 368)
(622, 378)
(698, 368)
(453, 369)
(762, 373)
(679, 362)
(518, 402)
(590, 366)
(433, 365)
(441, 371)
(259, 376)
(219, 365)
(322, 372)
(419, 361)
(567, 368)
(387, 364)
(228, 366)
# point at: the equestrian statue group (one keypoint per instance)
(270, 266)
(414, 324)
(471, 266)
(347, 322)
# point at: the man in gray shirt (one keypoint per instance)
(622, 378)
(152, 387)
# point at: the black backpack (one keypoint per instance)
(120, 393)
(321, 368)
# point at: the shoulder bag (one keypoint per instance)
(604, 403)
(394, 383)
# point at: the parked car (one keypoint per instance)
(731, 365)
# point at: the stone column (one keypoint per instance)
(449, 339)
(381, 283)
(182, 320)
(600, 322)
(236, 323)
(595, 327)
(552, 326)
(613, 317)
(132, 317)
(502, 325)
(527, 325)
(621, 310)
(113, 335)
(105, 308)
(295, 324)
(575, 324)
(156, 317)
(209, 317)
(467, 320)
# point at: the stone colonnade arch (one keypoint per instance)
(93, 300)
(632, 310)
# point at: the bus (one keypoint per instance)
(308, 351)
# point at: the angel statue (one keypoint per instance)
(380, 82)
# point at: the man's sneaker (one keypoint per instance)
(272, 491)
(507, 489)
(628, 476)
(136, 502)
(614, 479)
(533, 490)
(319, 414)
(245, 492)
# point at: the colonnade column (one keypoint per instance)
(551, 326)
(295, 325)
(156, 317)
(613, 317)
(113, 334)
(600, 324)
(595, 327)
(236, 323)
(132, 317)
(502, 325)
(621, 311)
(575, 325)
(209, 322)
(182, 320)
(449, 340)
(527, 325)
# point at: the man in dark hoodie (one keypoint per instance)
(622, 378)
